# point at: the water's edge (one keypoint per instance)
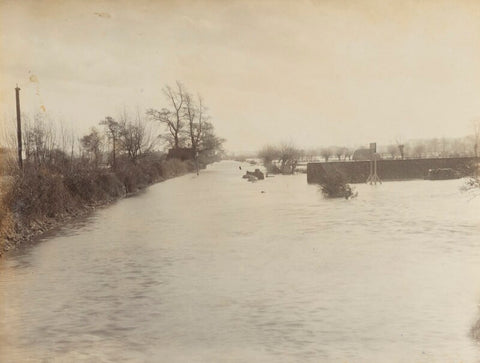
(30, 234)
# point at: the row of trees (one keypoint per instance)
(435, 147)
(419, 148)
(48, 144)
(63, 174)
(183, 123)
(131, 137)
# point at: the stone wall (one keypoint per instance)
(358, 171)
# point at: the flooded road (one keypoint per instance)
(210, 269)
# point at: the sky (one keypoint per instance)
(312, 73)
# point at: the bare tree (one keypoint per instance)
(419, 150)
(476, 136)
(40, 141)
(173, 117)
(112, 128)
(326, 153)
(433, 146)
(195, 114)
(269, 154)
(288, 156)
(92, 144)
(134, 137)
(310, 154)
(210, 147)
(392, 150)
(72, 144)
(401, 150)
(445, 146)
(339, 151)
(347, 154)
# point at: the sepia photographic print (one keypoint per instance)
(240, 181)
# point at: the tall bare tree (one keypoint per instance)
(326, 153)
(112, 128)
(476, 136)
(135, 137)
(419, 150)
(288, 157)
(339, 151)
(269, 154)
(92, 144)
(392, 150)
(401, 148)
(173, 116)
(210, 147)
(39, 140)
(196, 116)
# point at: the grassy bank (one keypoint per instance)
(41, 197)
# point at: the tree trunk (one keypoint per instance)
(113, 161)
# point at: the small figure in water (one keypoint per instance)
(240, 167)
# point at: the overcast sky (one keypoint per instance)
(309, 72)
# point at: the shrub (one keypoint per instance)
(174, 167)
(6, 221)
(335, 186)
(38, 193)
(109, 183)
(80, 186)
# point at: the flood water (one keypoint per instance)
(210, 269)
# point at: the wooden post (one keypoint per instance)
(19, 128)
(196, 161)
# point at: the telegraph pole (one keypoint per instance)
(19, 128)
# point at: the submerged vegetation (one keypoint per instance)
(281, 159)
(334, 185)
(472, 184)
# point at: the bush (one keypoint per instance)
(39, 193)
(6, 221)
(175, 167)
(335, 186)
(110, 185)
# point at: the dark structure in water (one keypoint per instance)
(254, 175)
(182, 153)
(358, 171)
(442, 174)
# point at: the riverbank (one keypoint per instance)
(40, 199)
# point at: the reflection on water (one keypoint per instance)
(210, 269)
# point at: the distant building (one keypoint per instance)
(362, 154)
(182, 153)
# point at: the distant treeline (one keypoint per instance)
(420, 148)
(283, 158)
